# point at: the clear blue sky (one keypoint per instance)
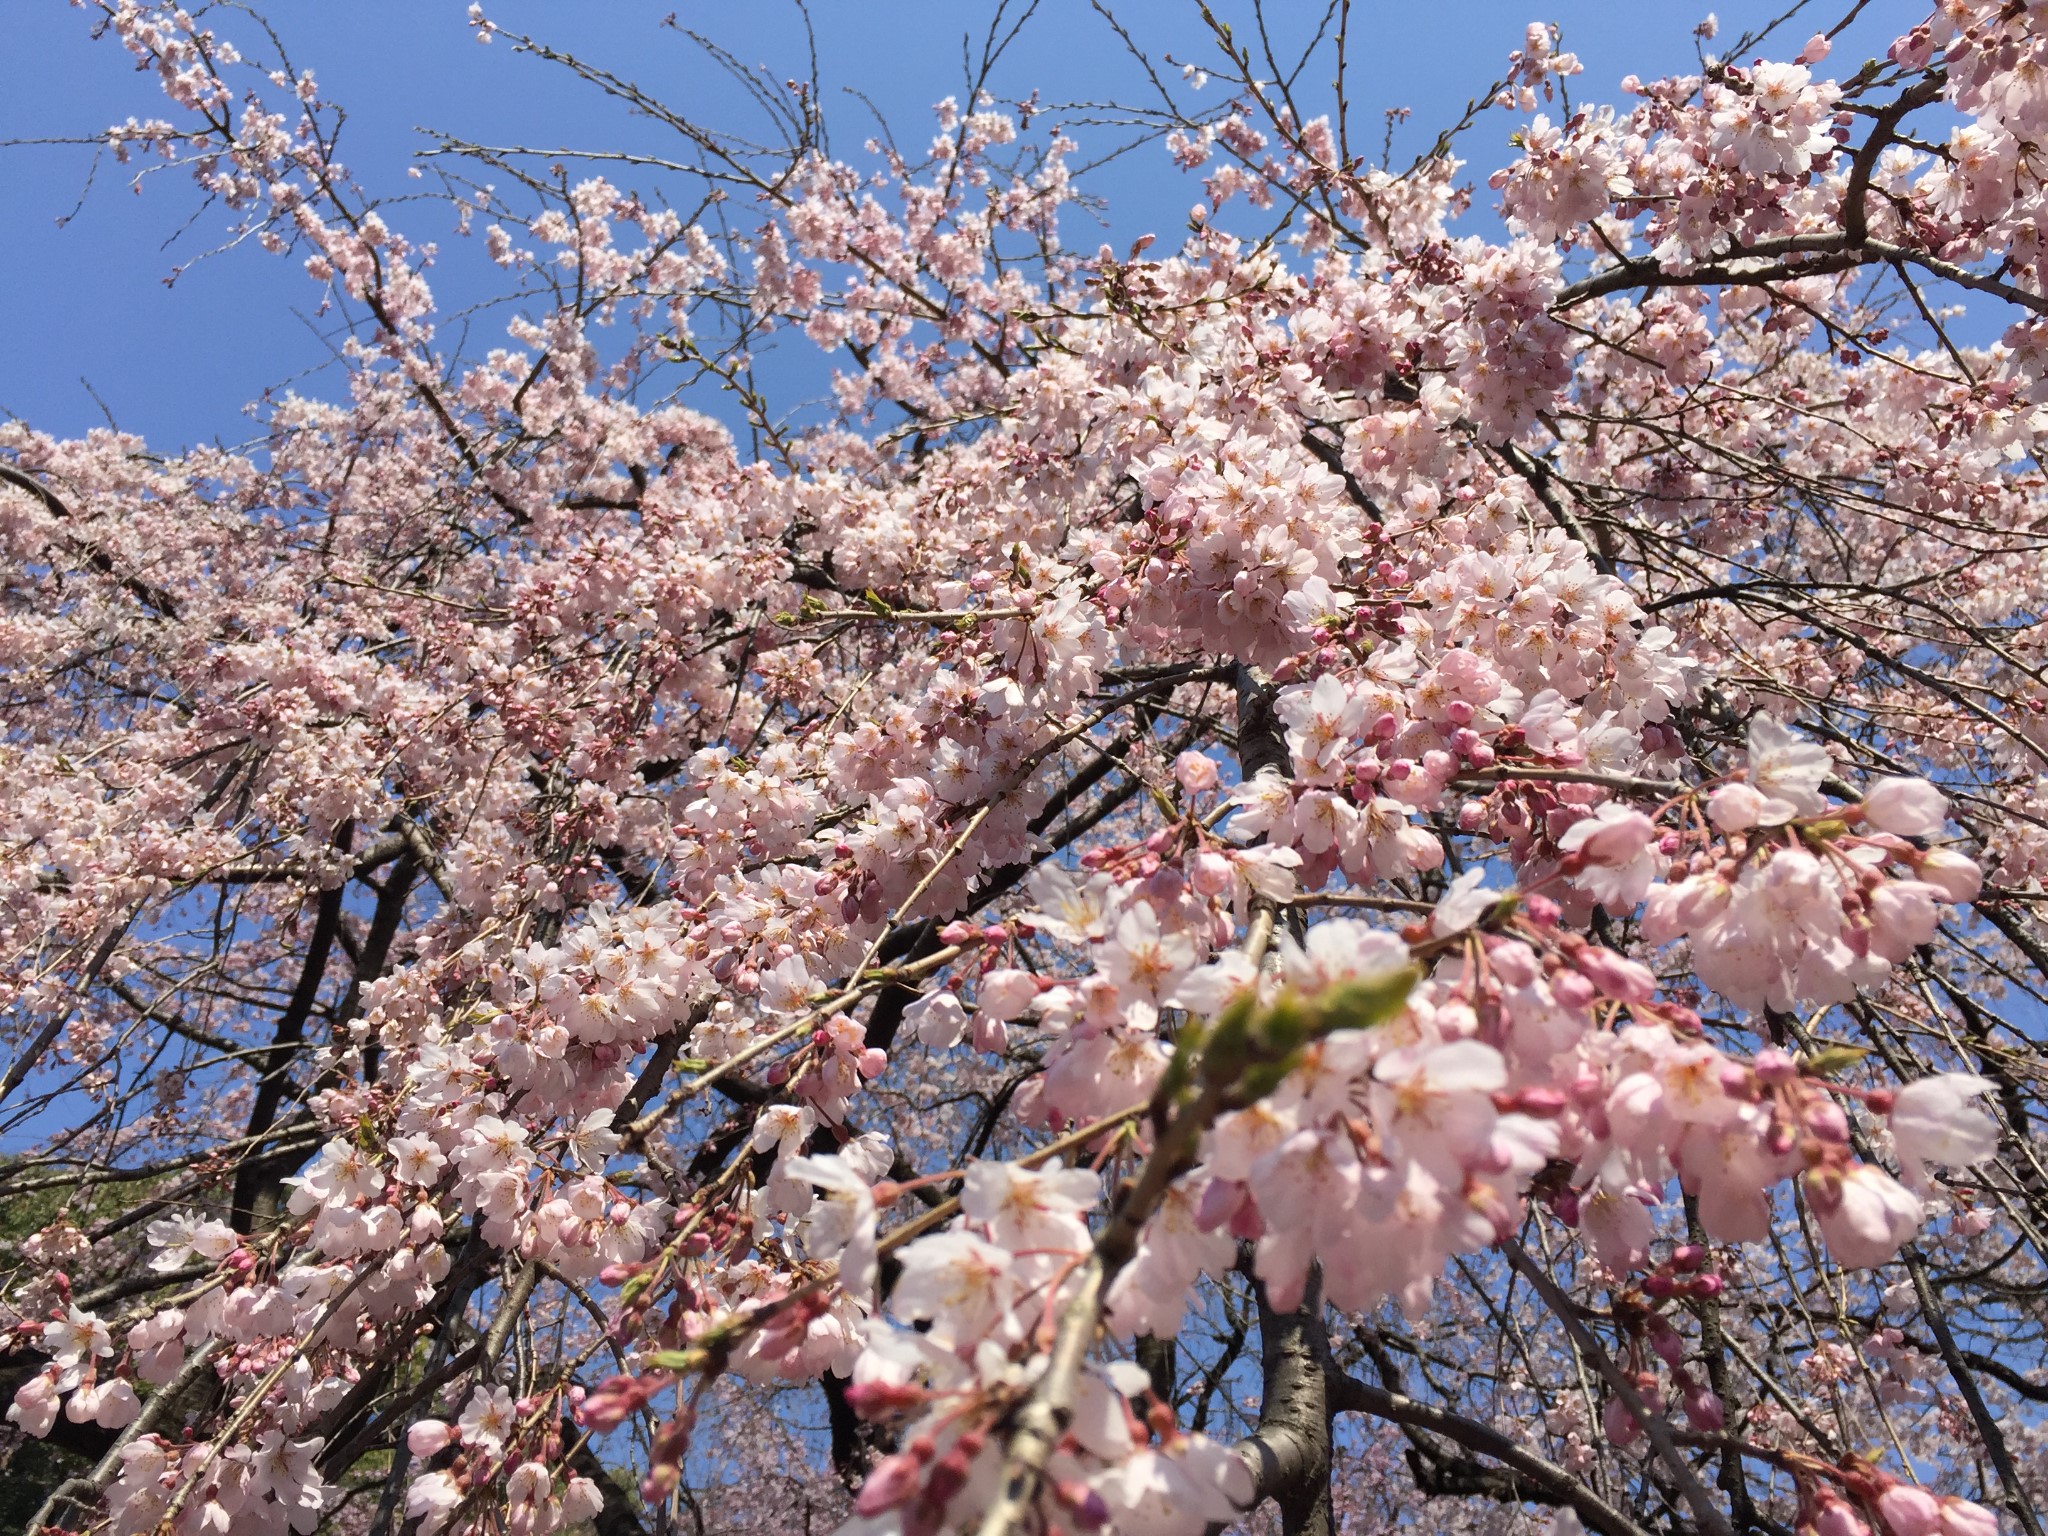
(88, 313)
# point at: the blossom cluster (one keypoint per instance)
(1268, 761)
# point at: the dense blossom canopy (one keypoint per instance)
(1339, 861)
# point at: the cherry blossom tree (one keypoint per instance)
(1379, 861)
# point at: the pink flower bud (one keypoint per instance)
(1621, 979)
(880, 1399)
(1620, 1426)
(672, 1440)
(428, 1437)
(949, 1475)
(1836, 1517)
(1703, 1409)
(1959, 1517)
(1958, 879)
(1864, 1214)
(1909, 1511)
(1905, 807)
(1006, 992)
(894, 1481)
(1774, 1065)
(1826, 1122)
(614, 1400)
(1572, 990)
(1735, 807)
(35, 1405)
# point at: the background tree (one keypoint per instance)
(1350, 868)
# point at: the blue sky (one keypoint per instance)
(93, 331)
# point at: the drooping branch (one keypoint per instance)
(1530, 1475)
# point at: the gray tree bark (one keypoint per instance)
(1289, 1453)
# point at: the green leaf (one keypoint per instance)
(1830, 1059)
(684, 1362)
(1366, 1003)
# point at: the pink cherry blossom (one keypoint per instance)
(1786, 770)
(1907, 807)
(804, 805)
(1865, 1217)
(958, 1283)
(35, 1405)
(841, 1225)
(1938, 1120)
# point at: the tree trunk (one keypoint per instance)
(1289, 1454)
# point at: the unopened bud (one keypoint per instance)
(1826, 1122)
(1621, 1427)
(949, 1475)
(1703, 1409)
(878, 1400)
(428, 1438)
(894, 1482)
